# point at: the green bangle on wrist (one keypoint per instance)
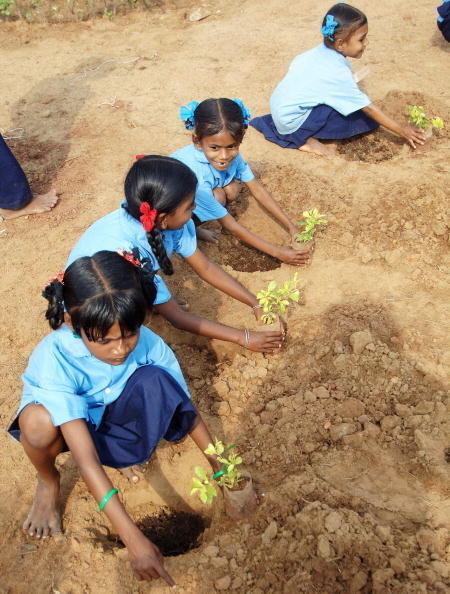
(106, 498)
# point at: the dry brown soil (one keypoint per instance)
(347, 442)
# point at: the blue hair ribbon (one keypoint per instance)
(329, 27)
(245, 111)
(187, 114)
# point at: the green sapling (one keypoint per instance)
(313, 219)
(229, 476)
(274, 301)
(419, 119)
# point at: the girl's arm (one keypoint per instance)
(145, 557)
(202, 438)
(263, 342)
(411, 134)
(283, 253)
(216, 276)
(263, 196)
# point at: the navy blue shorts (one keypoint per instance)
(324, 123)
(15, 192)
(152, 406)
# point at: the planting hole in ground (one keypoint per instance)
(372, 148)
(173, 531)
(232, 252)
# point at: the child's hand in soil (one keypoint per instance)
(303, 248)
(265, 342)
(292, 257)
(413, 135)
(147, 561)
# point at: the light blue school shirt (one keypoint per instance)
(70, 383)
(318, 76)
(119, 230)
(207, 207)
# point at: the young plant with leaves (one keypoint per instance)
(229, 476)
(313, 219)
(419, 119)
(274, 301)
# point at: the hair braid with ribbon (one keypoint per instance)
(157, 185)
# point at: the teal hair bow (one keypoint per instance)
(245, 111)
(187, 114)
(329, 27)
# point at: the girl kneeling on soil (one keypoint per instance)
(319, 97)
(156, 217)
(218, 127)
(106, 388)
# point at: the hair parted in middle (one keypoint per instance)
(211, 116)
(163, 183)
(347, 18)
(99, 290)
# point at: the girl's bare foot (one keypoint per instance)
(207, 235)
(133, 473)
(312, 145)
(40, 203)
(44, 518)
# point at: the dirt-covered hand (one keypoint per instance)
(147, 562)
(413, 135)
(293, 257)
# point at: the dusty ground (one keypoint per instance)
(348, 445)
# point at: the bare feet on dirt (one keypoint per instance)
(133, 473)
(312, 145)
(44, 518)
(39, 204)
(207, 235)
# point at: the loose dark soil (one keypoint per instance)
(232, 252)
(174, 532)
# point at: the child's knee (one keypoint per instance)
(220, 195)
(36, 426)
(232, 190)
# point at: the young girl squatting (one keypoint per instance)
(219, 127)
(156, 218)
(106, 388)
(319, 97)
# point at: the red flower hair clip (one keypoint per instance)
(148, 217)
(130, 258)
(138, 157)
(59, 278)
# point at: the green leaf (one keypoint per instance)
(219, 447)
(201, 473)
(210, 450)
(196, 483)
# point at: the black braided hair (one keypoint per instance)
(53, 292)
(211, 116)
(164, 183)
(348, 18)
(99, 290)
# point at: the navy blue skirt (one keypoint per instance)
(152, 406)
(444, 24)
(324, 123)
(15, 192)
